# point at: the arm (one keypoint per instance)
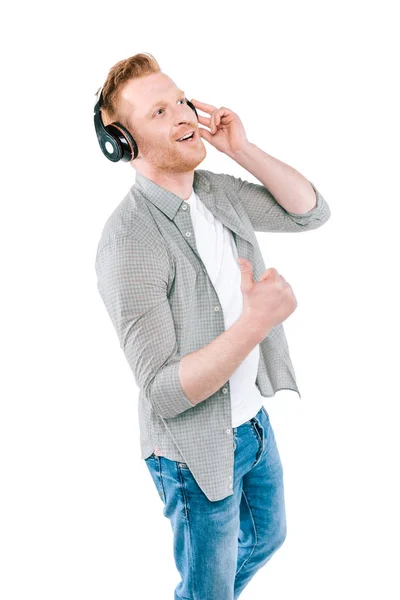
(132, 282)
(284, 200)
(266, 214)
(133, 285)
(204, 371)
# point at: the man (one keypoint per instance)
(203, 336)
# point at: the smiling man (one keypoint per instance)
(203, 336)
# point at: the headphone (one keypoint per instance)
(115, 141)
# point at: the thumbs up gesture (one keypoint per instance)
(267, 302)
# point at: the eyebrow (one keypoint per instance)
(179, 93)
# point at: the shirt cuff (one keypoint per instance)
(166, 393)
(320, 212)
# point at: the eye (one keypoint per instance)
(181, 99)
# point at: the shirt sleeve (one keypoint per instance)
(133, 280)
(266, 214)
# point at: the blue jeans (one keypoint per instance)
(219, 546)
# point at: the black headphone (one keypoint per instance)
(115, 141)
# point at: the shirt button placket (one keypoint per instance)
(216, 308)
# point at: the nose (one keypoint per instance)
(185, 115)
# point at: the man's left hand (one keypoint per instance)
(226, 132)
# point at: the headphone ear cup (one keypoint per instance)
(192, 107)
(110, 145)
(115, 141)
(127, 145)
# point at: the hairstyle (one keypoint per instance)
(133, 67)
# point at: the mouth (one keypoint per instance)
(190, 139)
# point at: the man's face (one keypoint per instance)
(157, 115)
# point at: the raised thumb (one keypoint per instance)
(246, 272)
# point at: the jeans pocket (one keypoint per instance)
(154, 468)
(259, 432)
(183, 465)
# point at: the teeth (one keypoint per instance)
(185, 137)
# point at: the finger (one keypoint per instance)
(264, 276)
(267, 274)
(212, 125)
(208, 121)
(204, 133)
(203, 106)
(215, 119)
(205, 120)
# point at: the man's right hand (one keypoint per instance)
(267, 302)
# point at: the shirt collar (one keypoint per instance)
(165, 200)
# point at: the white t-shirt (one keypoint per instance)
(217, 248)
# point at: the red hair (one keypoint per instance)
(129, 68)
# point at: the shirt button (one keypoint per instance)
(230, 476)
(204, 270)
(184, 206)
(230, 485)
(224, 390)
(216, 307)
(188, 234)
(228, 431)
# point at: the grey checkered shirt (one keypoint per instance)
(163, 306)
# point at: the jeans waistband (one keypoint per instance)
(251, 421)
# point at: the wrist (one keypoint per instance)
(251, 326)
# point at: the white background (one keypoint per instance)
(314, 84)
